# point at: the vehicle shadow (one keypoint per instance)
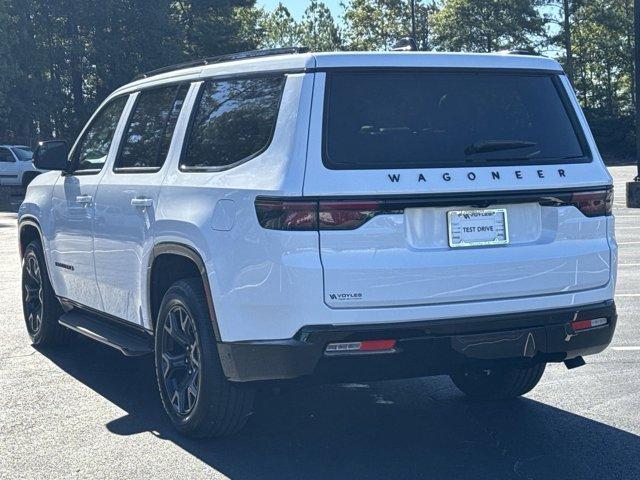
(420, 428)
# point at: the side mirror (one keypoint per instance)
(51, 155)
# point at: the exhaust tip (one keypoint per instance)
(574, 363)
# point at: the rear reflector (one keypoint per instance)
(587, 324)
(369, 346)
(593, 204)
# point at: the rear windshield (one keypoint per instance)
(429, 119)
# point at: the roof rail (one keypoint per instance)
(229, 57)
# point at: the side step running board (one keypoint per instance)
(128, 339)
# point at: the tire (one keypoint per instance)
(27, 178)
(499, 383)
(197, 397)
(40, 306)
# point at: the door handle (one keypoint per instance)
(141, 202)
(84, 199)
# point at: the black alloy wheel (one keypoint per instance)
(180, 360)
(33, 293)
(40, 306)
(196, 395)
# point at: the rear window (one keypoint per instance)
(233, 122)
(438, 119)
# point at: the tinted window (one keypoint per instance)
(5, 156)
(396, 120)
(23, 153)
(233, 121)
(93, 148)
(146, 141)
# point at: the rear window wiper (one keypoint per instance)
(497, 145)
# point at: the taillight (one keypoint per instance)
(287, 214)
(303, 214)
(346, 214)
(593, 204)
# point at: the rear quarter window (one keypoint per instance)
(233, 122)
(376, 120)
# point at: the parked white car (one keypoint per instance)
(16, 165)
(281, 216)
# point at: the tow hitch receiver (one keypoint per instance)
(574, 362)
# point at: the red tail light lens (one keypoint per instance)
(347, 214)
(301, 214)
(287, 214)
(593, 204)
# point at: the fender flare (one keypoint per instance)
(174, 248)
(31, 221)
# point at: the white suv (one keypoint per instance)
(16, 165)
(280, 215)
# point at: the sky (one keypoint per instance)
(297, 7)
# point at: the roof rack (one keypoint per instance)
(229, 57)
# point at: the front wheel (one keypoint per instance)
(198, 398)
(40, 306)
(498, 383)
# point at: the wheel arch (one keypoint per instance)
(29, 230)
(184, 261)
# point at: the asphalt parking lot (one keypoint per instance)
(88, 412)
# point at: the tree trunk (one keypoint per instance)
(567, 40)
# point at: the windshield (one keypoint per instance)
(24, 154)
(426, 119)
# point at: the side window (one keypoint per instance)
(5, 156)
(93, 148)
(146, 140)
(233, 122)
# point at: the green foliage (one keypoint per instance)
(378, 24)
(60, 58)
(487, 25)
(279, 28)
(317, 29)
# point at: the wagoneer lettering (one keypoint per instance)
(471, 175)
(270, 219)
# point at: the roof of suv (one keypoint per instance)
(306, 62)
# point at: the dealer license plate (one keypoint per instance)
(478, 228)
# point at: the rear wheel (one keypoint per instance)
(498, 383)
(198, 398)
(40, 306)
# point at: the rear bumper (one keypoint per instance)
(423, 348)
